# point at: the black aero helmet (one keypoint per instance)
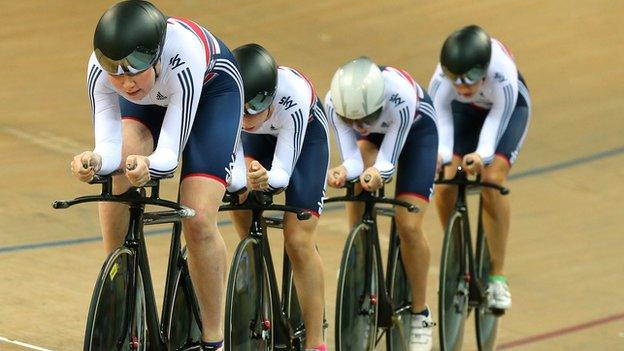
(259, 72)
(129, 37)
(466, 55)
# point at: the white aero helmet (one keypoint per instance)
(357, 89)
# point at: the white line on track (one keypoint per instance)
(47, 141)
(23, 344)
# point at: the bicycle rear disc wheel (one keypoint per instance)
(108, 326)
(184, 328)
(453, 286)
(248, 306)
(485, 321)
(356, 305)
(397, 338)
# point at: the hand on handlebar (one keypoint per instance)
(371, 179)
(85, 165)
(257, 176)
(337, 176)
(137, 170)
(473, 163)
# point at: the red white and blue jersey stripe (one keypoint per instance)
(190, 59)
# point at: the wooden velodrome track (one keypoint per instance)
(565, 259)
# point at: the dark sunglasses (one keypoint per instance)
(471, 77)
(259, 103)
(137, 62)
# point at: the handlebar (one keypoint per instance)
(373, 198)
(461, 178)
(134, 195)
(259, 201)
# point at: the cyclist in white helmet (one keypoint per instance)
(384, 121)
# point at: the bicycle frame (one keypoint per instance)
(386, 308)
(135, 242)
(477, 293)
(258, 202)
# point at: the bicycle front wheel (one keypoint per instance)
(453, 288)
(397, 338)
(356, 300)
(184, 327)
(486, 322)
(109, 323)
(249, 304)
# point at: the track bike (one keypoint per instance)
(369, 305)
(123, 313)
(256, 317)
(464, 273)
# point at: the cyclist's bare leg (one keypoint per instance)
(114, 217)
(496, 213)
(414, 249)
(206, 250)
(300, 242)
(356, 209)
(446, 195)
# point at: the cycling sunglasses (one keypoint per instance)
(471, 77)
(259, 103)
(137, 62)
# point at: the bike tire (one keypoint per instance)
(184, 329)
(356, 307)
(453, 285)
(107, 322)
(397, 338)
(486, 322)
(249, 304)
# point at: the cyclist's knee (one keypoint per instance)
(200, 228)
(299, 244)
(410, 232)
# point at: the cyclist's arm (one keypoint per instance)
(399, 112)
(347, 143)
(504, 98)
(106, 117)
(288, 148)
(185, 82)
(442, 93)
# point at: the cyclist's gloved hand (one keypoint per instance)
(371, 179)
(337, 176)
(85, 165)
(257, 176)
(137, 170)
(472, 163)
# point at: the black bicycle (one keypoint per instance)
(123, 313)
(463, 280)
(256, 318)
(367, 305)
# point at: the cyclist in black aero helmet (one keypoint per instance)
(483, 108)
(163, 90)
(466, 55)
(286, 144)
(259, 72)
(129, 37)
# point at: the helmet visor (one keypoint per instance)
(471, 77)
(134, 63)
(259, 103)
(368, 119)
